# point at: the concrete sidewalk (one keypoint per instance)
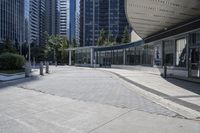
(180, 96)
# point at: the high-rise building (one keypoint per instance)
(64, 18)
(97, 15)
(42, 21)
(53, 16)
(77, 21)
(12, 20)
(72, 19)
(34, 21)
(27, 30)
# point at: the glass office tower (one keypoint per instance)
(53, 16)
(72, 15)
(77, 22)
(96, 15)
(12, 20)
(35, 21)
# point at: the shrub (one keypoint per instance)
(9, 61)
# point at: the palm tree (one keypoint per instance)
(101, 39)
(111, 40)
(64, 44)
(126, 38)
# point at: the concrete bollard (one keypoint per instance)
(41, 68)
(47, 67)
(27, 70)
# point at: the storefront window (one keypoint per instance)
(195, 38)
(181, 52)
(157, 55)
(168, 52)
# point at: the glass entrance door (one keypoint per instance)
(195, 62)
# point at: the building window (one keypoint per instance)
(181, 52)
(157, 55)
(168, 52)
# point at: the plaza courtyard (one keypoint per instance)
(84, 100)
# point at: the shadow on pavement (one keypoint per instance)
(190, 86)
(3, 85)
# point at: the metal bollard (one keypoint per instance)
(47, 67)
(165, 71)
(27, 70)
(41, 68)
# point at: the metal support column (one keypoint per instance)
(124, 56)
(91, 56)
(70, 57)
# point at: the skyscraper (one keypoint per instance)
(77, 21)
(42, 21)
(12, 20)
(96, 15)
(64, 18)
(35, 21)
(52, 16)
(72, 18)
(27, 31)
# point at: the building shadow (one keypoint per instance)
(187, 85)
(5, 85)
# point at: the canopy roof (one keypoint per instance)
(148, 17)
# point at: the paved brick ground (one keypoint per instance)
(81, 100)
(94, 86)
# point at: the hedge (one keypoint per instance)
(10, 61)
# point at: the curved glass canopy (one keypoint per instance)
(148, 17)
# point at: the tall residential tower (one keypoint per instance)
(12, 20)
(64, 18)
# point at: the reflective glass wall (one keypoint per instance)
(82, 56)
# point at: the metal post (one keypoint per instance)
(91, 57)
(41, 68)
(94, 61)
(124, 56)
(47, 66)
(70, 57)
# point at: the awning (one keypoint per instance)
(148, 17)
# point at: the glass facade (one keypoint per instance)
(168, 52)
(194, 54)
(34, 21)
(12, 20)
(83, 56)
(53, 17)
(72, 26)
(96, 15)
(42, 21)
(181, 50)
(77, 22)
(180, 53)
(27, 21)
